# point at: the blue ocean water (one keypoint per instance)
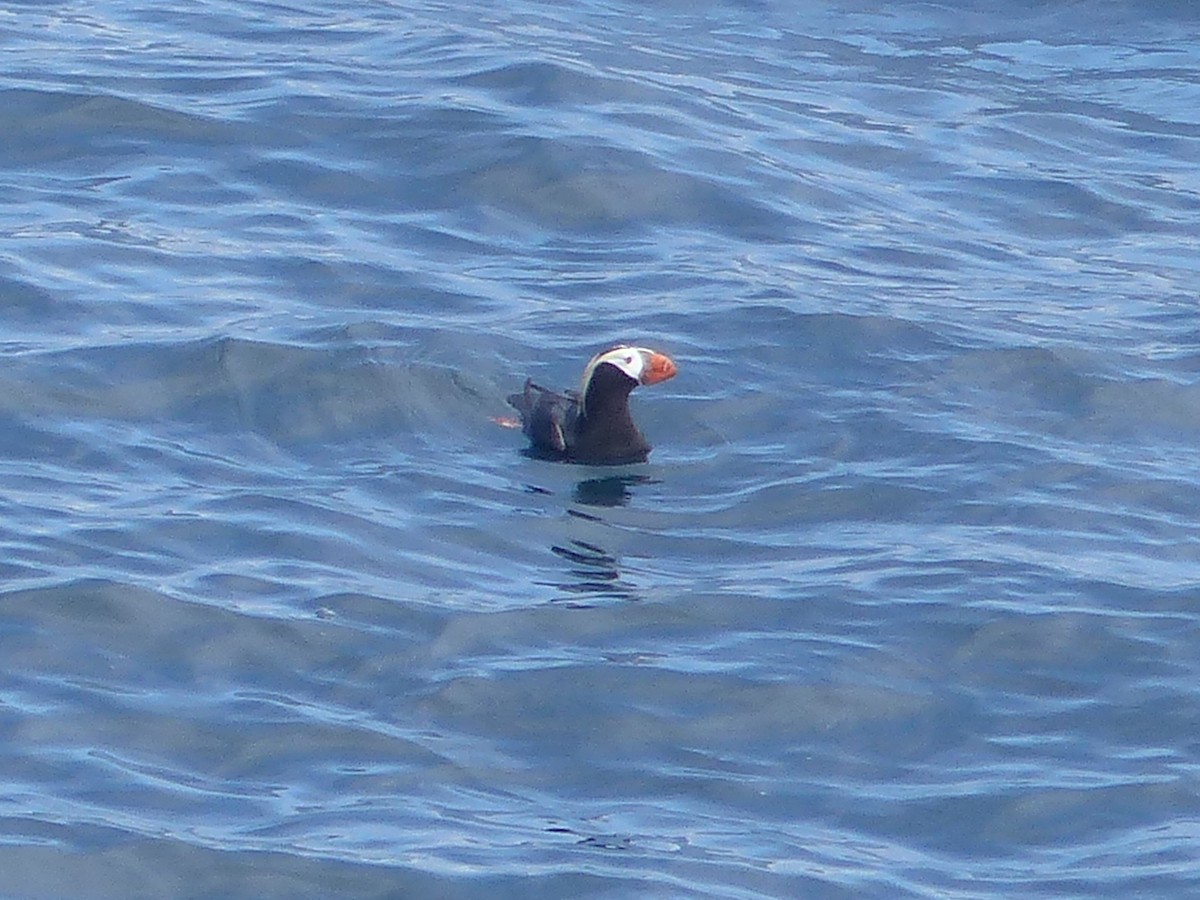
(904, 603)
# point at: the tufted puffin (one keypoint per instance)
(593, 426)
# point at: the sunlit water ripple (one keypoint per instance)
(903, 604)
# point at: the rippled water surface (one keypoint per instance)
(905, 603)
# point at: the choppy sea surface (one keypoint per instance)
(906, 602)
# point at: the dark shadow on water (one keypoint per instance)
(596, 841)
(592, 573)
(610, 490)
(614, 490)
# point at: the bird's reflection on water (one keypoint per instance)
(615, 490)
(592, 571)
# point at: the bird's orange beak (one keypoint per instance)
(660, 368)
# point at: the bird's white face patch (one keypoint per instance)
(630, 360)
